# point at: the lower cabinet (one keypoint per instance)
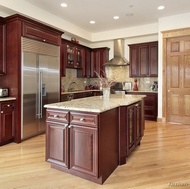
(83, 144)
(7, 122)
(150, 104)
(83, 149)
(134, 127)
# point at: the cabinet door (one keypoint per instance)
(84, 150)
(95, 63)
(7, 127)
(70, 56)
(2, 49)
(57, 143)
(131, 129)
(143, 61)
(134, 61)
(138, 122)
(153, 60)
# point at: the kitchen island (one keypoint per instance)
(90, 137)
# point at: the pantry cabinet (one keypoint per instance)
(2, 47)
(144, 60)
(7, 122)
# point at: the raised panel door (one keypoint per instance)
(143, 61)
(153, 60)
(57, 143)
(2, 47)
(131, 129)
(7, 122)
(84, 150)
(178, 87)
(134, 61)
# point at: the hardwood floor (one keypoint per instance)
(162, 161)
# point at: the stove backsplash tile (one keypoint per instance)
(118, 73)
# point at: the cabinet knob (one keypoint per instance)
(8, 105)
(56, 116)
(2, 112)
(82, 119)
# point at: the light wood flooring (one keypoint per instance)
(162, 161)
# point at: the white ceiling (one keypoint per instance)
(80, 12)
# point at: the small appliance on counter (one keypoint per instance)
(155, 86)
(4, 92)
(121, 86)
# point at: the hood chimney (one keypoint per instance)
(119, 59)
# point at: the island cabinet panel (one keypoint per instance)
(57, 137)
(150, 104)
(7, 122)
(134, 126)
(84, 150)
(57, 143)
(87, 146)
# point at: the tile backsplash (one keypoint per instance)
(118, 73)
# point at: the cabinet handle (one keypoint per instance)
(82, 119)
(56, 116)
(2, 112)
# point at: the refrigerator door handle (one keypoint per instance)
(40, 93)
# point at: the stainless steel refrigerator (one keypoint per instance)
(40, 84)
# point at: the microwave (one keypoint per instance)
(3, 92)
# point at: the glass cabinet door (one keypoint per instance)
(70, 56)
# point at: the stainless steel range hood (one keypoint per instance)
(119, 59)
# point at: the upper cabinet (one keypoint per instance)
(87, 61)
(73, 55)
(2, 47)
(99, 56)
(144, 60)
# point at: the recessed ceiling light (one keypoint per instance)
(116, 17)
(161, 7)
(64, 4)
(92, 22)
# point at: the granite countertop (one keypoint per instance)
(97, 103)
(79, 91)
(143, 91)
(7, 99)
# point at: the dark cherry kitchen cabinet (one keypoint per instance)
(18, 26)
(84, 140)
(150, 104)
(99, 56)
(134, 126)
(7, 122)
(73, 55)
(57, 137)
(86, 70)
(2, 47)
(82, 143)
(144, 60)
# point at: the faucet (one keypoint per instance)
(71, 86)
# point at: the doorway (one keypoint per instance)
(176, 81)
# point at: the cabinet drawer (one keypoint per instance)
(57, 115)
(83, 119)
(7, 106)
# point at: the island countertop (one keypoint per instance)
(97, 103)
